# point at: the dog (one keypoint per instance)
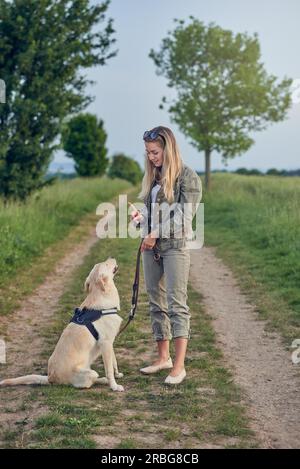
(81, 344)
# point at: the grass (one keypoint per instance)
(46, 217)
(44, 228)
(204, 410)
(254, 223)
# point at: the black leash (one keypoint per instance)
(135, 291)
(135, 287)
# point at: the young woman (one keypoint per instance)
(167, 182)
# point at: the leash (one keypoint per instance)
(135, 287)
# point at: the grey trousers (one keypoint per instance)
(166, 284)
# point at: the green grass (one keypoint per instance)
(128, 443)
(254, 223)
(27, 229)
(204, 409)
(35, 235)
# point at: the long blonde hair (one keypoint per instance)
(171, 167)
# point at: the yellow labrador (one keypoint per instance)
(82, 341)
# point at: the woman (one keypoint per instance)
(167, 182)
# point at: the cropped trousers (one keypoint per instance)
(166, 284)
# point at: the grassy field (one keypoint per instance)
(255, 224)
(44, 221)
(204, 411)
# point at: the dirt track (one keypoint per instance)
(258, 359)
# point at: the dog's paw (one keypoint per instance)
(103, 380)
(117, 387)
(119, 375)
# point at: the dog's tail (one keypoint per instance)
(29, 379)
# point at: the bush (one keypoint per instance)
(124, 167)
(84, 140)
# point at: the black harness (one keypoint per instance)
(86, 317)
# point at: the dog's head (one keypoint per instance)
(102, 275)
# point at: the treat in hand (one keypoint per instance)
(135, 215)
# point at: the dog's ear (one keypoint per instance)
(90, 278)
(87, 284)
(103, 281)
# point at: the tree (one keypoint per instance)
(124, 167)
(242, 171)
(43, 45)
(249, 172)
(223, 89)
(273, 172)
(84, 140)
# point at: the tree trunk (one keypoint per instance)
(207, 169)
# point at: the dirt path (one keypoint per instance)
(258, 360)
(34, 314)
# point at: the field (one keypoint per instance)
(255, 224)
(47, 249)
(27, 230)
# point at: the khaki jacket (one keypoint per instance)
(174, 221)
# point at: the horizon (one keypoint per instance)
(70, 170)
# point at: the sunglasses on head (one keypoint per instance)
(152, 135)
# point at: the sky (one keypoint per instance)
(128, 91)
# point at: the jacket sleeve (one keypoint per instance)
(183, 211)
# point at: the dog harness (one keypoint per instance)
(86, 317)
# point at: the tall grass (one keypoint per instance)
(256, 221)
(47, 216)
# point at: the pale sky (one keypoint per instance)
(128, 91)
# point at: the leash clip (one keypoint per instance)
(156, 256)
(131, 313)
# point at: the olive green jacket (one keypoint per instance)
(174, 221)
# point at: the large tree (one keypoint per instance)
(84, 140)
(43, 46)
(223, 90)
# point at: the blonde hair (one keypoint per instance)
(171, 167)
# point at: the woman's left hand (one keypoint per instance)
(149, 241)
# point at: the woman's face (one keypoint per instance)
(155, 153)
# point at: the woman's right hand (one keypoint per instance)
(136, 216)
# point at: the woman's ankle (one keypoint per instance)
(164, 358)
(163, 350)
(177, 371)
